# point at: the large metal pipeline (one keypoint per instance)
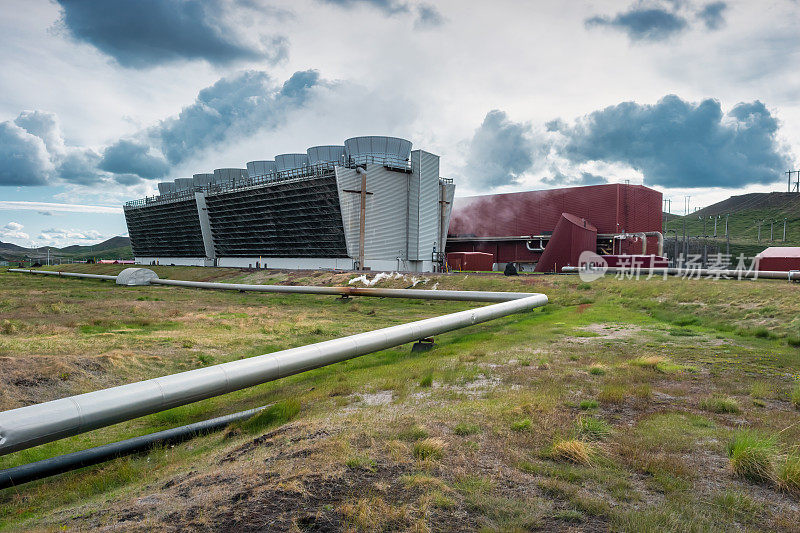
(12, 477)
(421, 294)
(793, 275)
(63, 274)
(37, 424)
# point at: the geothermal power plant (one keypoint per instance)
(373, 203)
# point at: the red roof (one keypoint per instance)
(780, 251)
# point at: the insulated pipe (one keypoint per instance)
(63, 274)
(29, 426)
(421, 294)
(660, 237)
(72, 461)
(539, 249)
(793, 275)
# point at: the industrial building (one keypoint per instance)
(545, 230)
(371, 203)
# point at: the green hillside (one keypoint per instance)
(113, 248)
(744, 214)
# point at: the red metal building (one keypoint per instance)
(503, 224)
(571, 236)
(470, 261)
(780, 258)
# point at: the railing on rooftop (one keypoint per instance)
(306, 172)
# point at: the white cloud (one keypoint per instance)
(13, 230)
(62, 236)
(50, 208)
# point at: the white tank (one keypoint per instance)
(182, 184)
(166, 187)
(202, 180)
(261, 168)
(285, 162)
(326, 154)
(225, 176)
(376, 147)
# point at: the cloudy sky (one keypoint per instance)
(101, 100)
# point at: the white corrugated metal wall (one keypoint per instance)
(385, 213)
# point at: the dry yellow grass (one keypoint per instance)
(573, 451)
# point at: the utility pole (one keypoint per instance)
(726, 223)
(727, 240)
(784, 230)
(771, 226)
(685, 245)
(715, 225)
(759, 230)
(362, 214)
(362, 221)
(789, 182)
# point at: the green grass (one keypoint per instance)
(427, 380)
(597, 370)
(521, 425)
(665, 346)
(788, 474)
(361, 462)
(429, 449)
(464, 429)
(590, 428)
(794, 396)
(720, 404)
(751, 456)
(274, 415)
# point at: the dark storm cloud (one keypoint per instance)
(232, 107)
(79, 166)
(675, 143)
(712, 15)
(132, 157)
(33, 152)
(23, 157)
(652, 21)
(500, 151)
(428, 17)
(145, 33)
(643, 23)
(388, 7)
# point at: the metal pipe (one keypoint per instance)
(539, 248)
(362, 217)
(793, 275)
(36, 424)
(420, 294)
(18, 475)
(660, 236)
(63, 274)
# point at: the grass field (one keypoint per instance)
(659, 405)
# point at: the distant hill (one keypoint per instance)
(113, 248)
(745, 214)
(110, 244)
(776, 203)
